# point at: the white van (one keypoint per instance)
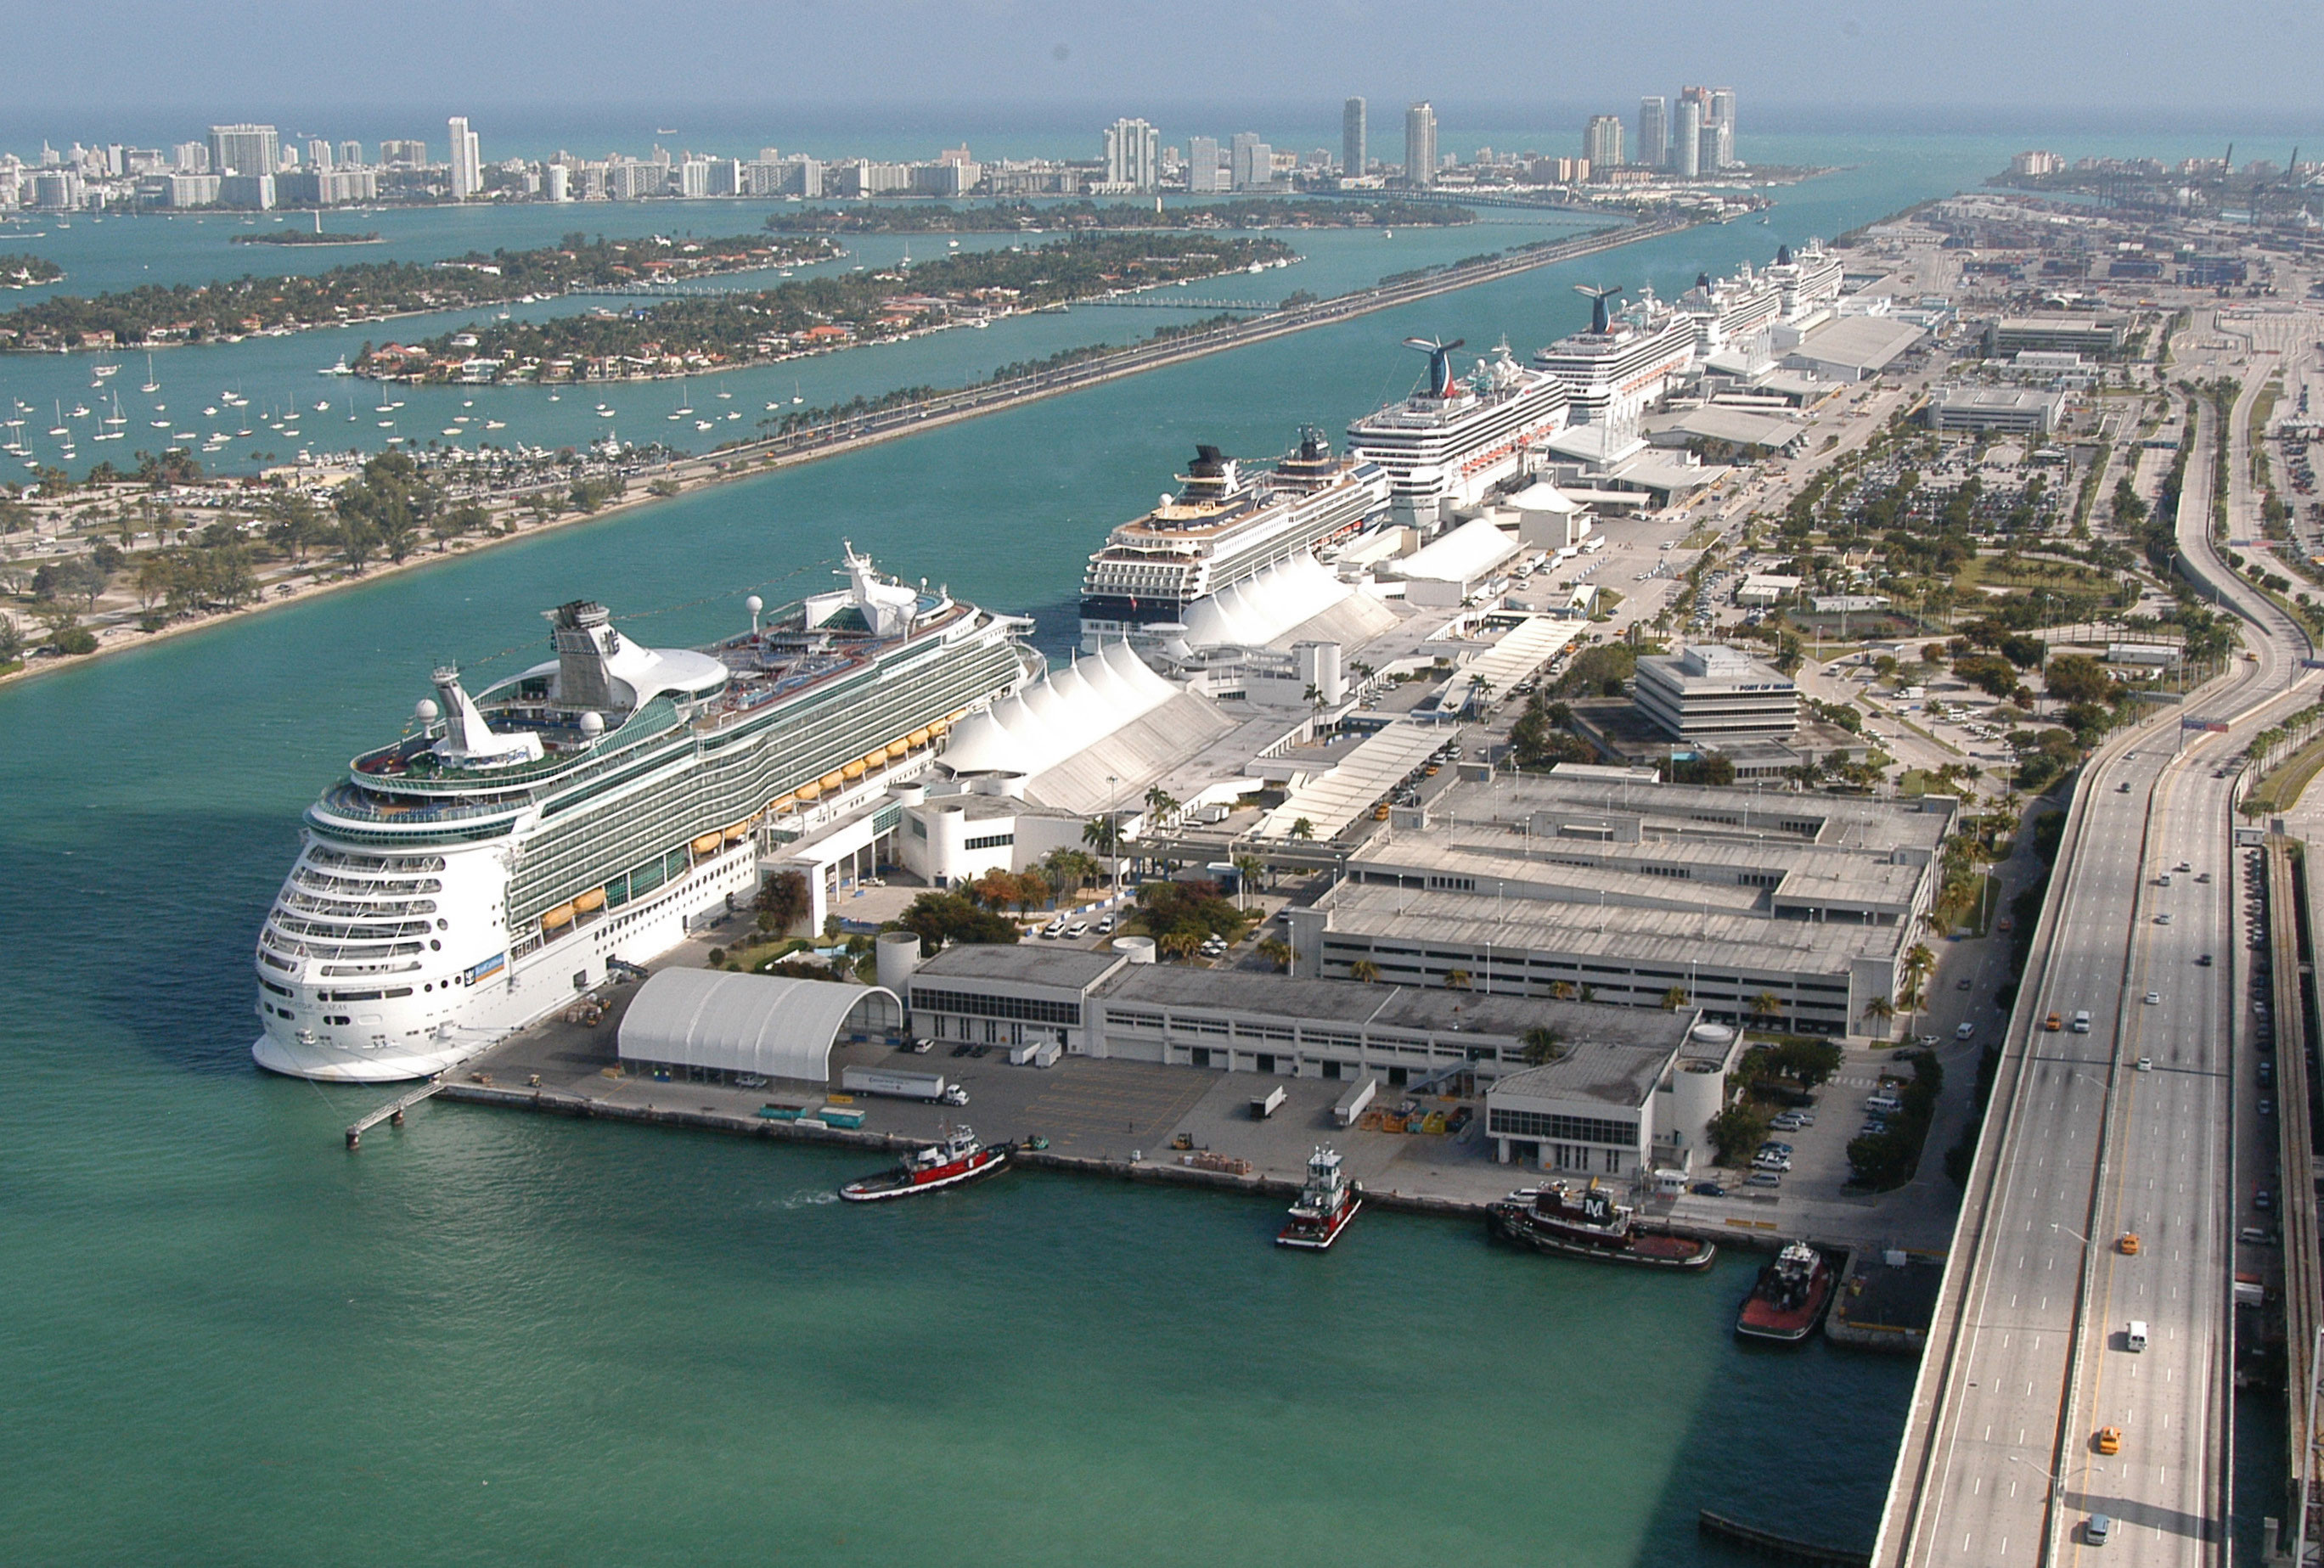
(2082, 1021)
(2134, 1337)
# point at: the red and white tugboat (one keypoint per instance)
(1326, 1204)
(1790, 1298)
(952, 1162)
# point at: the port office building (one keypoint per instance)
(1618, 1097)
(1795, 910)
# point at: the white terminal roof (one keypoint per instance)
(1530, 644)
(776, 1027)
(1258, 610)
(1469, 552)
(1057, 716)
(1541, 495)
(1345, 793)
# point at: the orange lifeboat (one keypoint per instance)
(809, 792)
(737, 834)
(590, 901)
(560, 916)
(919, 737)
(830, 781)
(782, 802)
(707, 845)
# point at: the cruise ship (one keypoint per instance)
(517, 845)
(1733, 311)
(1626, 361)
(1809, 280)
(1456, 437)
(1225, 526)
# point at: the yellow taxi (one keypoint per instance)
(2128, 1244)
(2109, 1440)
(2053, 1023)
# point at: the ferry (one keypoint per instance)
(1589, 1224)
(1225, 525)
(1326, 1204)
(1456, 437)
(955, 1160)
(473, 875)
(1790, 1297)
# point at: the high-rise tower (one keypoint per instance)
(1353, 154)
(467, 163)
(1420, 145)
(1654, 131)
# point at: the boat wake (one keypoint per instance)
(814, 1199)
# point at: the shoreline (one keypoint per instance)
(727, 464)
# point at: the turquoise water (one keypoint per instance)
(495, 1338)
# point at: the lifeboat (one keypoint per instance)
(830, 781)
(560, 916)
(782, 802)
(707, 845)
(852, 771)
(895, 750)
(590, 901)
(919, 737)
(809, 792)
(736, 833)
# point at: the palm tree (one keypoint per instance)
(1456, 980)
(1177, 944)
(1561, 991)
(1879, 1011)
(1248, 868)
(1364, 970)
(1278, 952)
(1161, 804)
(1303, 828)
(1541, 1045)
(1675, 998)
(1766, 1005)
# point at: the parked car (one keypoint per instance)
(1708, 1190)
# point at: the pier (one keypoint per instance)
(392, 1112)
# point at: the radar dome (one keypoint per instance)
(754, 603)
(593, 724)
(425, 710)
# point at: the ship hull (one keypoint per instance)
(1760, 1319)
(1318, 1237)
(986, 1161)
(1665, 1252)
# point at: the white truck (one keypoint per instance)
(1351, 1104)
(1263, 1106)
(896, 1085)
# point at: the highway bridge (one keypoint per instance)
(2130, 1128)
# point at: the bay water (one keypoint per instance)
(492, 1337)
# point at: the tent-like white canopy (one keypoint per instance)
(771, 1025)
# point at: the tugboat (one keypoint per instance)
(1589, 1224)
(1326, 1204)
(1790, 1298)
(955, 1160)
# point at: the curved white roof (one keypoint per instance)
(1260, 609)
(1469, 552)
(771, 1025)
(1541, 495)
(1065, 712)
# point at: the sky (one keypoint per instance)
(1801, 64)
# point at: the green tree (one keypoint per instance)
(1540, 1044)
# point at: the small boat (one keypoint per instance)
(1326, 1204)
(1589, 1224)
(953, 1161)
(153, 382)
(102, 371)
(1790, 1298)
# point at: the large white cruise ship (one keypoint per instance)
(1455, 439)
(1809, 279)
(1626, 361)
(1225, 526)
(1733, 311)
(478, 872)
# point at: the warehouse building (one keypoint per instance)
(1796, 911)
(2094, 336)
(706, 1026)
(1996, 410)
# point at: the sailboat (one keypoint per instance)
(797, 396)
(153, 382)
(59, 428)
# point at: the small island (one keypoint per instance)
(23, 271)
(1071, 216)
(690, 335)
(300, 236)
(155, 316)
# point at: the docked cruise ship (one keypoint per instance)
(1456, 437)
(1733, 311)
(1809, 281)
(518, 843)
(1225, 526)
(1626, 361)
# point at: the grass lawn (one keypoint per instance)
(2281, 789)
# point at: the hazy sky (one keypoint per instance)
(2125, 61)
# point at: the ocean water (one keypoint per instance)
(495, 1338)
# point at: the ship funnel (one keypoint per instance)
(583, 634)
(1440, 363)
